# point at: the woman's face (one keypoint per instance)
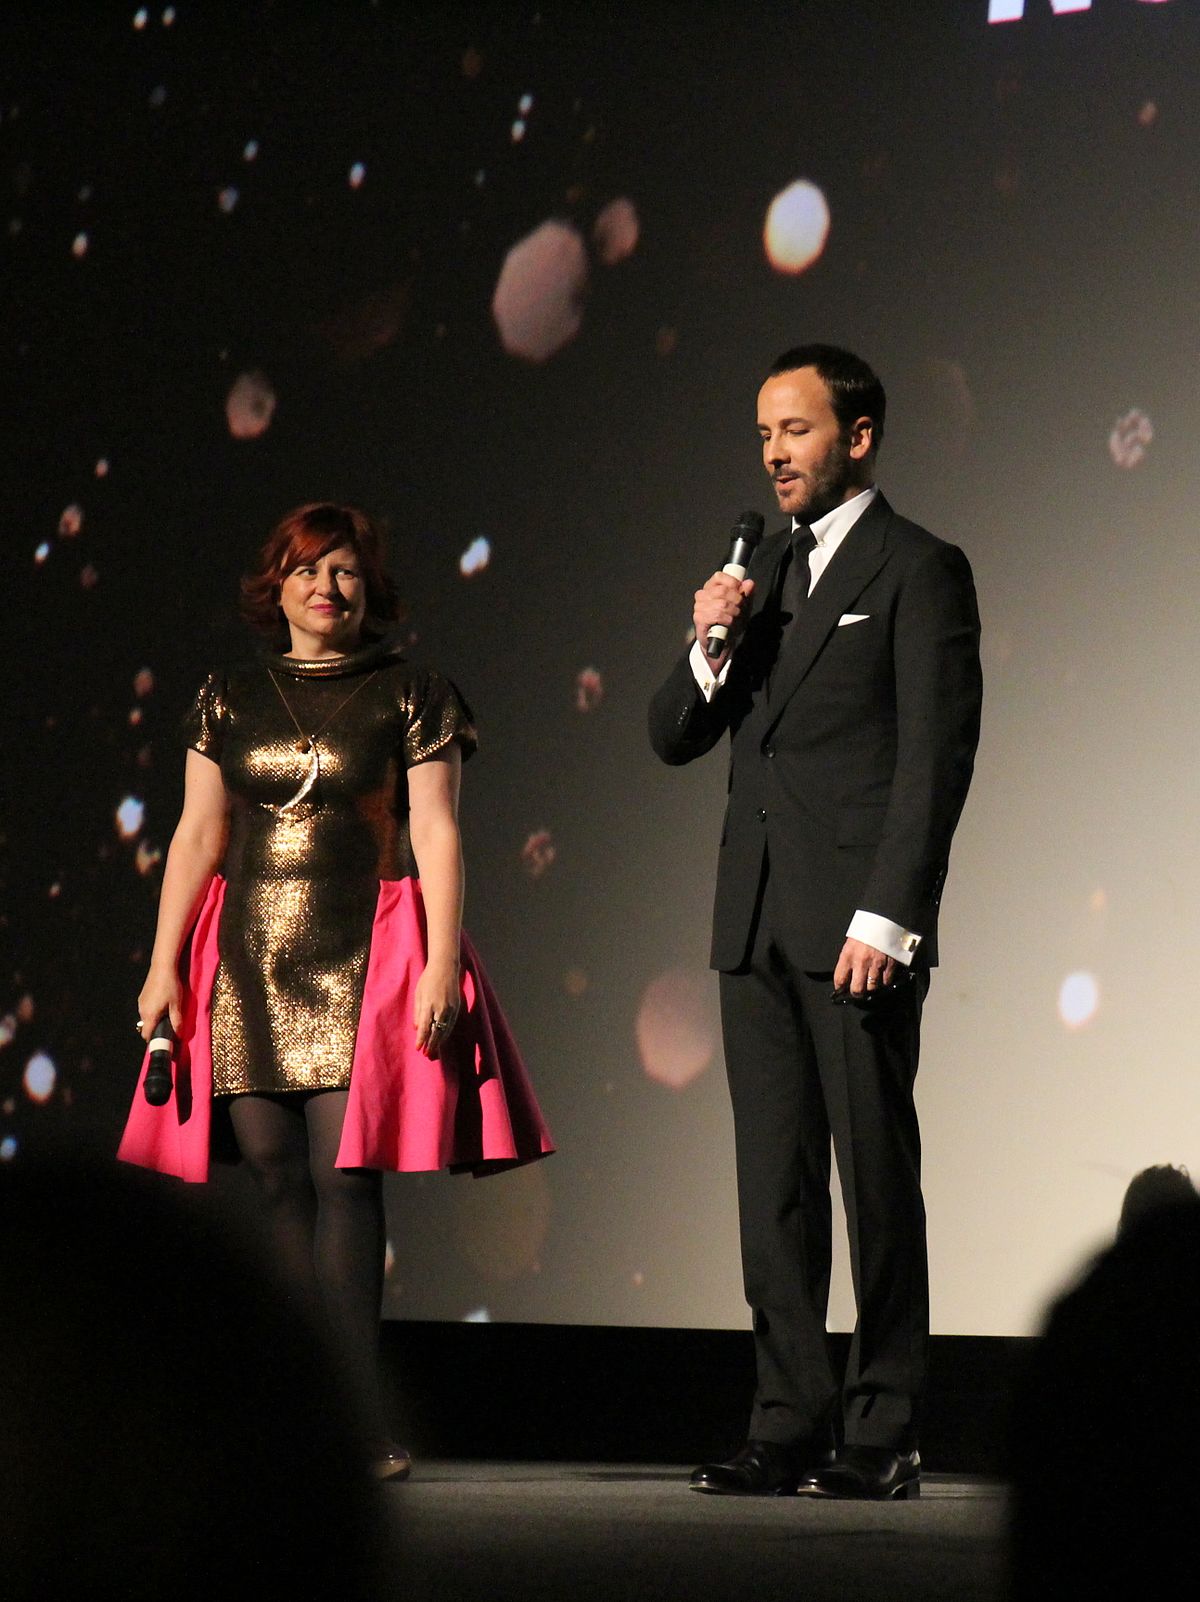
(324, 602)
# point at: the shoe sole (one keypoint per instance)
(722, 1490)
(908, 1491)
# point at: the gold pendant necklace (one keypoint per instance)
(307, 743)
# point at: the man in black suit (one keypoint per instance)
(850, 690)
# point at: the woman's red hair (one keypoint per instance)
(305, 535)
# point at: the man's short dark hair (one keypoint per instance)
(854, 389)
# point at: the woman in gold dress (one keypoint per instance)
(330, 1000)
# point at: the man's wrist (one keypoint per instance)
(893, 939)
(708, 676)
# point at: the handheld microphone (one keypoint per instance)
(747, 532)
(157, 1083)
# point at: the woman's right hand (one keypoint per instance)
(162, 992)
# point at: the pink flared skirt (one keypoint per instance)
(473, 1109)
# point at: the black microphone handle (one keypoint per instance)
(747, 532)
(157, 1084)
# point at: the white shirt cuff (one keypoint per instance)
(702, 672)
(886, 936)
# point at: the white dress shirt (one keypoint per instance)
(872, 928)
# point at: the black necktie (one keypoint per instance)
(793, 590)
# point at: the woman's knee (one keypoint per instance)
(278, 1167)
(350, 1188)
(279, 1175)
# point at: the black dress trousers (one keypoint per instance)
(804, 1069)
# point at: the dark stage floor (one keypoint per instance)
(577, 1531)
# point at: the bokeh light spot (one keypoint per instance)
(475, 558)
(227, 198)
(538, 853)
(8, 1148)
(140, 17)
(79, 246)
(589, 689)
(797, 227)
(356, 175)
(615, 231)
(148, 857)
(8, 1028)
(1130, 439)
(1078, 999)
(250, 150)
(538, 303)
(130, 816)
(71, 521)
(40, 1077)
(102, 467)
(518, 131)
(676, 1027)
(250, 406)
(42, 552)
(143, 683)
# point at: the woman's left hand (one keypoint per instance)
(436, 1003)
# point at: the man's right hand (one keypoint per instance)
(723, 599)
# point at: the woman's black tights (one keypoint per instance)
(327, 1221)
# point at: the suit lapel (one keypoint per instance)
(854, 564)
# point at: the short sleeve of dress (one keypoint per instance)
(439, 718)
(204, 722)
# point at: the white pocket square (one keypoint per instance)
(852, 617)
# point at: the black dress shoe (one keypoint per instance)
(868, 1474)
(761, 1468)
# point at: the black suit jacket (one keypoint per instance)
(852, 770)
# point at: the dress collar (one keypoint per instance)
(368, 657)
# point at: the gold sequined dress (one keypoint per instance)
(305, 860)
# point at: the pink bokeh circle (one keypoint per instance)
(538, 301)
(676, 1027)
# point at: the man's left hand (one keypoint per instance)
(862, 969)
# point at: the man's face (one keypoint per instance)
(812, 461)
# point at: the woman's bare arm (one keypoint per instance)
(433, 788)
(197, 847)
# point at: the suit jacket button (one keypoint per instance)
(762, 814)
